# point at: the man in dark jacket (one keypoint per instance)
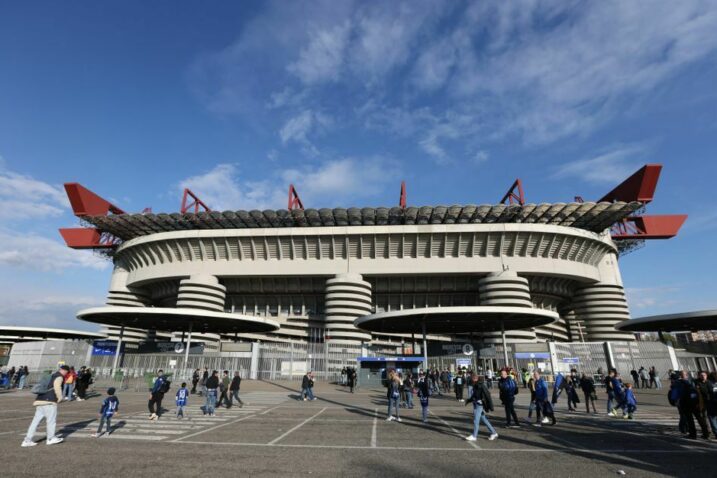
(508, 390)
(307, 384)
(234, 389)
(195, 381)
(156, 395)
(482, 404)
(704, 393)
(46, 408)
(690, 408)
(211, 385)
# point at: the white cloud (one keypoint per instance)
(481, 157)
(40, 309)
(652, 297)
(24, 197)
(321, 59)
(298, 128)
(31, 251)
(327, 183)
(612, 166)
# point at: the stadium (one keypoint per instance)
(314, 276)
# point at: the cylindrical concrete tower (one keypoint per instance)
(506, 289)
(348, 297)
(201, 291)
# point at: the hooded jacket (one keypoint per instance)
(481, 396)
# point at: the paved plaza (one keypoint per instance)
(343, 434)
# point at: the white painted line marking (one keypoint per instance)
(215, 427)
(454, 430)
(373, 431)
(297, 426)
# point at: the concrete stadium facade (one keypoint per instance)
(316, 281)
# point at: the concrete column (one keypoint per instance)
(553, 357)
(115, 362)
(673, 356)
(254, 365)
(609, 355)
(348, 297)
(505, 288)
(201, 291)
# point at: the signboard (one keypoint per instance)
(389, 359)
(457, 348)
(461, 363)
(170, 348)
(104, 347)
(532, 355)
(571, 360)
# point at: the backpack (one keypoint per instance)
(673, 396)
(43, 386)
(165, 386)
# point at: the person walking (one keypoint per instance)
(704, 393)
(408, 390)
(558, 388)
(48, 395)
(690, 407)
(644, 377)
(180, 399)
(610, 390)
(195, 381)
(712, 402)
(224, 391)
(635, 378)
(572, 393)
(508, 390)
(531, 382)
(212, 384)
(69, 387)
(630, 402)
(459, 379)
(541, 399)
(587, 385)
(307, 385)
(482, 404)
(83, 383)
(351, 377)
(110, 406)
(156, 394)
(22, 377)
(393, 394)
(234, 388)
(424, 392)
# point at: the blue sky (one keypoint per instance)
(345, 99)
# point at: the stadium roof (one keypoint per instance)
(682, 322)
(11, 334)
(590, 216)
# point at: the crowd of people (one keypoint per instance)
(13, 377)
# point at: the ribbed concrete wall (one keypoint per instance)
(201, 292)
(506, 289)
(601, 307)
(348, 297)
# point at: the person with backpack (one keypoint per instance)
(307, 385)
(110, 406)
(224, 391)
(180, 399)
(48, 394)
(630, 402)
(508, 390)
(156, 395)
(690, 407)
(424, 391)
(558, 387)
(482, 403)
(234, 387)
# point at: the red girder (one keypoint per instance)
(638, 187)
(196, 203)
(294, 199)
(648, 227)
(511, 195)
(86, 203)
(87, 238)
(402, 197)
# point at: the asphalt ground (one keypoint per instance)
(344, 434)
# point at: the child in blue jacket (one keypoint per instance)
(630, 402)
(181, 399)
(109, 407)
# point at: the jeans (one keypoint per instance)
(393, 402)
(21, 383)
(713, 423)
(479, 416)
(610, 400)
(424, 410)
(534, 406)
(308, 393)
(104, 419)
(180, 410)
(470, 391)
(49, 413)
(409, 398)
(235, 395)
(211, 401)
(68, 388)
(658, 384)
(510, 410)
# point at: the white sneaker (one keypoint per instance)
(26, 443)
(398, 419)
(55, 440)
(545, 420)
(471, 438)
(389, 418)
(96, 435)
(610, 414)
(493, 437)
